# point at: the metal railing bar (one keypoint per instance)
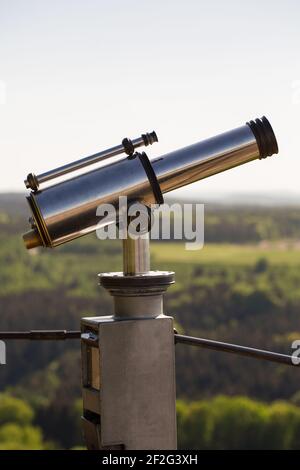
(237, 349)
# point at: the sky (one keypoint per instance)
(78, 76)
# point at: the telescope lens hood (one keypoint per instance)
(265, 137)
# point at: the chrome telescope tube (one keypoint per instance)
(68, 210)
(254, 140)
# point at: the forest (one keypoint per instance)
(242, 287)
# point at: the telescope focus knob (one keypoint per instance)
(149, 138)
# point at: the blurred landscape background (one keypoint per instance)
(77, 77)
(242, 287)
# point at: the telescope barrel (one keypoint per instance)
(254, 140)
(68, 210)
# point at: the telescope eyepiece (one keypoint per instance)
(146, 139)
(265, 137)
(149, 138)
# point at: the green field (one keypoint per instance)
(244, 255)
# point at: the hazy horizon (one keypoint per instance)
(245, 198)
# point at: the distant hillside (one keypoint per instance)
(225, 221)
(13, 203)
(242, 199)
(241, 289)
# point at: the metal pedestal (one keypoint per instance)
(129, 365)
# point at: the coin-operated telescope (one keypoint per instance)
(128, 366)
(67, 210)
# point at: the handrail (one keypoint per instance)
(60, 335)
(237, 349)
